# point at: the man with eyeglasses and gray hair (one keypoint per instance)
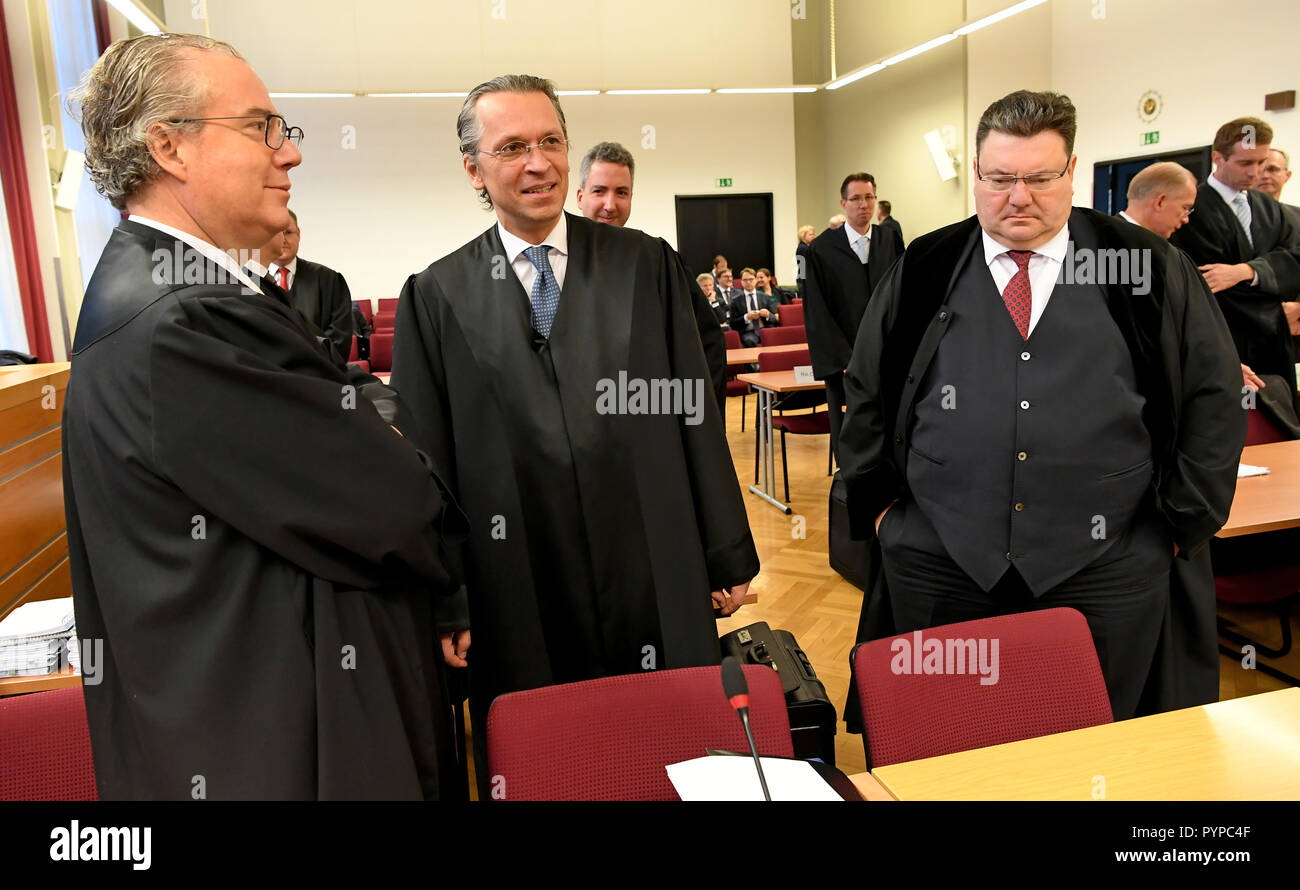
(579, 431)
(259, 639)
(1044, 409)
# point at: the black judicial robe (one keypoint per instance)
(322, 296)
(1254, 314)
(234, 522)
(595, 537)
(1185, 369)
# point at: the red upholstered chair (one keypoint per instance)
(1048, 681)
(792, 315)
(734, 386)
(366, 311)
(384, 321)
(381, 352)
(610, 739)
(45, 747)
(1272, 587)
(352, 350)
(388, 306)
(782, 336)
(816, 423)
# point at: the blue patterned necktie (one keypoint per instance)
(546, 292)
(1242, 209)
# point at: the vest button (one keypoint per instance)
(1022, 456)
(1024, 405)
(1024, 356)
(1008, 556)
(898, 440)
(943, 316)
(910, 378)
(1020, 507)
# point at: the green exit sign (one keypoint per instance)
(724, 183)
(1151, 138)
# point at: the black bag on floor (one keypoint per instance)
(812, 716)
(850, 558)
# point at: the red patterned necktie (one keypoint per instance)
(283, 274)
(1016, 294)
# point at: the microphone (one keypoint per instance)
(737, 692)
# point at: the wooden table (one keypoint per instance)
(1265, 503)
(768, 385)
(749, 355)
(1243, 749)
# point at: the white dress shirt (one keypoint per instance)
(853, 237)
(1044, 268)
(1229, 195)
(1124, 216)
(211, 251)
(558, 254)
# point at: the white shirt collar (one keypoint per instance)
(558, 239)
(1053, 249)
(1228, 193)
(292, 266)
(854, 235)
(1124, 215)
(211, 251)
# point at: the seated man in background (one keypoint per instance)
(749, 310)
(260, 639)
(721, 311)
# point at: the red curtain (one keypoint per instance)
(18, 203)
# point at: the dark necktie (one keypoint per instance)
(1016, 295)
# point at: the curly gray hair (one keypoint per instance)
(135, 84)
(469, 129)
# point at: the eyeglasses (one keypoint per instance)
(1038, 182)
(513, 151)
(862, 199)
(275, 129)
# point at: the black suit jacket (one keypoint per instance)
(891, 223)
(742, 325)
(1254, 314)
(322, 296)
(836, 290)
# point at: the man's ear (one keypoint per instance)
(472, 171)
(578, 197)
(167, 148)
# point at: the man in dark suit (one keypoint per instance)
(723, 279)
(749, 310)
(1031, 427)
(721, 311)
(843, 268)
(1274, 173)
(317, 291)
(1247, 248)
(885, 220)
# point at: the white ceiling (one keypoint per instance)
(409, 45)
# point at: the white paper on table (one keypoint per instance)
(735, 778)
(1244, 470)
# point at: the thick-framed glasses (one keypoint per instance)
(275, 129)
(513, 151)
(1038, 182)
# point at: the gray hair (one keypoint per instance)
(1160, 178)
(136, 84)
(1286, 158)
(610, 153)
(1026, 113)
(469, 129)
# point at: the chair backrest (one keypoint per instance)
(367, 311)
(783, 361)
(352, 350)
(732, 338)
(384, 321)
(381, 351)
(1260, 429)
(782, 336)
(388, 304)
(610, 739)
(792, 315)
(1048, 680)
(45, 747)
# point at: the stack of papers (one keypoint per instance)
(34, 638)
(734, 778)
(1244, 470)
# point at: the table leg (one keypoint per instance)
(768, 458)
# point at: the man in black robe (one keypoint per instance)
(605, 195)
(844, 264)
(317, 291)
(251, 542)
(1010, 453)
(1247, 249)
(601, 524)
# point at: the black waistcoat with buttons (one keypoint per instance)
(1029, 453)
